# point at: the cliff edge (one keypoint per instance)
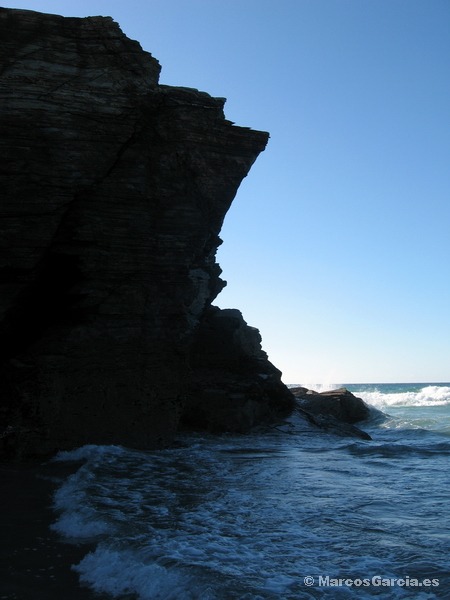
(114, 190)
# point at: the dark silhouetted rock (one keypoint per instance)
(113, 193)
(335, 411)
(340, 404)
(234, 387)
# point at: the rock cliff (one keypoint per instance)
(113, 193)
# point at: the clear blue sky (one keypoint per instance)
(337, 246)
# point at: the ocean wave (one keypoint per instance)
(398, 451)
(430, 395)
(248, 517)
(383, 395)
(119, 572)
(89, 452)
(317, 387)
(77, 518)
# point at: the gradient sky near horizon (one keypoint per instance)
(337, 246)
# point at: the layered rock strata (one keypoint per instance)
(113, 192)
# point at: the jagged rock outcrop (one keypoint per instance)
(340, 404)
(335, 411)
(233, 386)
(113, 192)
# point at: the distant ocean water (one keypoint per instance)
(288, 513)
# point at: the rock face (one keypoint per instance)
(114, 190)
(335, 411)
(234, 386)
(340, 404)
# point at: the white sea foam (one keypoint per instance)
(428, 395)
(431, 395)
(318, 387)
(77, 518)
(119, 572)
(89, 452)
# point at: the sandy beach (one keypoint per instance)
(35, 563)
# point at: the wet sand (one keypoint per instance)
(35, 564)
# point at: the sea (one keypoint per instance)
(288, 512)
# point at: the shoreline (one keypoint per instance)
(35, 563)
